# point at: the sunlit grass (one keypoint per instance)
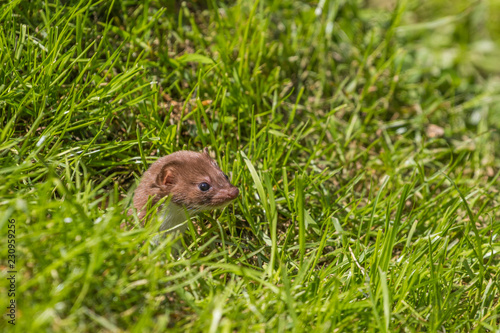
(364, 142)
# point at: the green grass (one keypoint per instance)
(364, 139)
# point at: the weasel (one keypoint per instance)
(194, 182)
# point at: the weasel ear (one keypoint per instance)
(207, 153)
(166, 176)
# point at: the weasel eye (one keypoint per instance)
(204, 187)
(226, 176)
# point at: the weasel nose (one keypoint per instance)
(233, 193)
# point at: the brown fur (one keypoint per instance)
(179, 175)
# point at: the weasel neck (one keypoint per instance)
(174, 218)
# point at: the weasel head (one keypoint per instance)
(192, 180)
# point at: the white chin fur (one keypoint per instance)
(200, 209)
(174, 216)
